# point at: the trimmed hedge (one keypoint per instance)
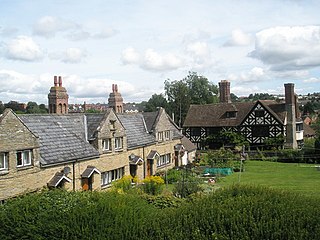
(239, 212)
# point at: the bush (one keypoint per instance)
(187, 187)
(153, 185)
(124, 184)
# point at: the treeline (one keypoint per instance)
(29, 108)
(239, 212)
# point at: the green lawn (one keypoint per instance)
(300, 178)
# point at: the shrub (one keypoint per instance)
(153, 185)
(124, 184)
(187, 187)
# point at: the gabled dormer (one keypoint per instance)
(161, 126)
(19, 147)
(106, 132)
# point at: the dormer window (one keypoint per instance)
(231, 114)
(259, 113)
(106, 144)
(167, 135)
(24, 158)
(160, 136)
(3, 161)
(118, 143)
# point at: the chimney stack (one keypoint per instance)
(60, 81)
(290, 99)
(224, 91)
(55, 81)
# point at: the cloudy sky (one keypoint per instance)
(138, 44)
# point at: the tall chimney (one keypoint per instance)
(290, 99)
(224, 91)
(60, 81)
(55, 81)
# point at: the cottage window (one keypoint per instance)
(167, 135)
(106, 144)
(118, 143)
(23, 158)
(259, 113)
(3, 161)
(160, 136)
(164, 159)
(231, 114)
(110, 176)
(260, 131)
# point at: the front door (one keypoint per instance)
(149, 167)
(87, 183)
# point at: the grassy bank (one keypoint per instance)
(298, 178)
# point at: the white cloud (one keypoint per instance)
(70, 55)
(152, 60)
(157, 62)
(73, 55)
(7, 31)
(23, 48)
(312, 80)
(200, 55)
(48, 26)
(256, 74)
(239, 38)
(288, 48)
(130, 56)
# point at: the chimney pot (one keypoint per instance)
(55, 81)
(60, 81)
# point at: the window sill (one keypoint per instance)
(163, 166)
(4, 172)
(119, 150)
(106, 151)
(106, 186)
(24, 167)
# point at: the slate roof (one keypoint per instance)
(136, 131)
(57, 178)
(61, 137)
(215, 115)
(150, 119)
(188, 145)
(89, 171)
(93, 122)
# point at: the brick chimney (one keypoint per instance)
(58, 97)
(290, 101)
(115, 100)
(224, 91)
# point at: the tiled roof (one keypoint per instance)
(93, 122)
(216, 114)
(150, 119)
(188, 145)
(209, 115)
(57, 178)
(136, 131)
(61, 137)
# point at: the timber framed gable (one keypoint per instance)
(261, 123)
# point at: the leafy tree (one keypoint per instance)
(32, 108)
(156, 101)
(225, 138)
(193, 89)
(234, 98)
(1, 107)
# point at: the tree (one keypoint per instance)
(156, 101)
(1, 107)
(193, 89)
(33, 108)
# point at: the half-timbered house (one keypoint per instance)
(256, 121)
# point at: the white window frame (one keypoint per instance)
(164, 160)
(118, 143)
(160, 136)
(3, 161)
(167, 135)
(106, 144)
(109, 176)
(26, 158)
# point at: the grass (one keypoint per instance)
(299, 178)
